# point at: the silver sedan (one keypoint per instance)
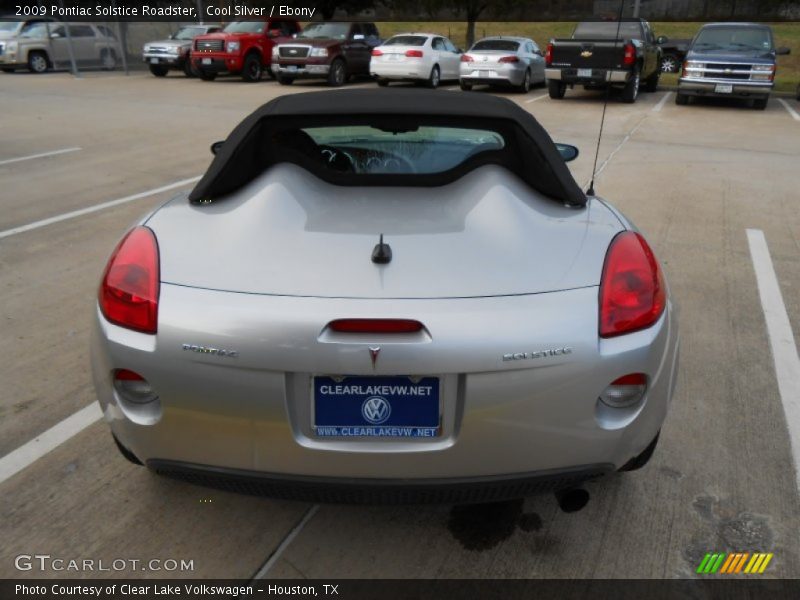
(507, 61)
(375, 296)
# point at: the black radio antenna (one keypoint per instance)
(590, 191)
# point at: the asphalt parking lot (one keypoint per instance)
(694, 179)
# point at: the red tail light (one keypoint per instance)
(126, 375)
(377, 52)
(632, 291)
(129, 291)
(509, 59)
(548, 54)
(375, 326)
(630, 55)
(466, 58)
(414, 53)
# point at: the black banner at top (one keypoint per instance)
(387, 10)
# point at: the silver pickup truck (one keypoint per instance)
(173, 53)
(732, 60)
(42, 44)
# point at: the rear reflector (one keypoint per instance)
(133, 387)
(632, 289)
(414, 53)
(129, 290)
(375, 326)
(625, 391)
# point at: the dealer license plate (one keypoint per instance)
(153, 61)
(584, 72)
(391, 406)
(723, 88)
(206, 61)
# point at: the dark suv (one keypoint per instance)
(732, 60)
(334, 51)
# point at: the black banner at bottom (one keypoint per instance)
(395, 589)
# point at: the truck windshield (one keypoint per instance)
(9, 26)
(502, 45)
(334, 31)
(363, 149)
(733, 38)
(188, 33)
(607, 30)
(245, 27)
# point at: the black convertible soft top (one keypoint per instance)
(253, 146)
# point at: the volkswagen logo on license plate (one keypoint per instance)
(376, 410)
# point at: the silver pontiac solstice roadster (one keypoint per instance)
(380, 296)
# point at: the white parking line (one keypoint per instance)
(27, 454)
(662, 102)
(536, 99)
(617, 149)
(42, 155)
(275, 556)
(790, 110)
(90, 209)
(781, 339)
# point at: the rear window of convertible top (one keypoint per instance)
(390, 150)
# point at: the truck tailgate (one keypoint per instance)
(588, 54)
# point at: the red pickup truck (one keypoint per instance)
(241, 48)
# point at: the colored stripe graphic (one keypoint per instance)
(734, 563)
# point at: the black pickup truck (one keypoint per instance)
(600, 53)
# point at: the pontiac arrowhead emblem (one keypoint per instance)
(373, 354)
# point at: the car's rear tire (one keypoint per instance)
(525, 86)
(465, 86)
(382, 82)
(38, 62)
(159, 70)
(337, 74)
(631, 90)
(252, 68)
(206, 76)
(637, 462)
(127, 454)
(670, 63)
(433, 78)
(760, 103)
(283, 80)
(651, 83)
(681, 99)
(108, 60)
(556, 89)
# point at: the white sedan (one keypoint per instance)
(424, 57)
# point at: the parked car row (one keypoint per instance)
(724, 59)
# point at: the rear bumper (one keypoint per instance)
(598, 76)
(253, 412)
(740, 89)
(380, 491)
(400, 70)
(502, 75)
